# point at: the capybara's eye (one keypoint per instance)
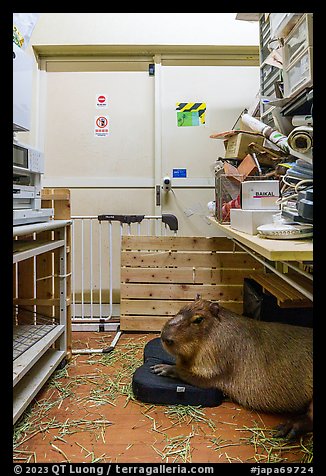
(198, 320)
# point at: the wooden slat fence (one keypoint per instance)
(160, 274)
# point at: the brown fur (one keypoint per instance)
(264, 366)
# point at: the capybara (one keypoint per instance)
(264, 366)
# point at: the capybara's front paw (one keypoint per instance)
(164, 370)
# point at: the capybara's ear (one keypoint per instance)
(214, 308)
(197, 297)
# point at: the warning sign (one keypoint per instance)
(190, 113)
(101, 101)
(101, 128)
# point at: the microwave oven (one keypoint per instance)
(27, 158)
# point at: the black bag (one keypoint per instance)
(151, 388)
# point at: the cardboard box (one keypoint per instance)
(247, 221)
(260, 194)
(237, 145)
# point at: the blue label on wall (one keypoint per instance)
(179, 173)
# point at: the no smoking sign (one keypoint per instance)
(102, 122)
(101, 128)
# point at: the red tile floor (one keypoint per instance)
(86, 413)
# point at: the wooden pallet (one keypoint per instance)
(161, 274)
(286, 295)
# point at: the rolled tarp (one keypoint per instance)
(276, 137)
(300, 141)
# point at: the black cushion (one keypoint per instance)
(154, 349)
(151, 388)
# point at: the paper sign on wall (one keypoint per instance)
(179, 173)
(101, 128)
(190, 113)
(101, 101)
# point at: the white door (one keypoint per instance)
(117, 167)
(187, 150)
(103, 154)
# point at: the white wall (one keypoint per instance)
(68, 154)
(133, 29)
(144, 28)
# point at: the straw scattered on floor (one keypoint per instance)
(105, 389)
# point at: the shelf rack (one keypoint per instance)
(40, 326)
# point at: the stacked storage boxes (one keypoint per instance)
(297, 57)
(259, 203)
(295, 32)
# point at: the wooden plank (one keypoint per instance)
(19, 246)
(28, 387)
(181, 291)
(36, 249)
(155, 323)
(286, 295)
(184, 259)
(234, 306)
(37, 301)
(44, 268)
(152, 307)
(26, 281)
(185, 275)
(55, 194)
(274, 250)
(281, 290)
(62, 209)
(301, 280)
(155, 307)
(59, 199)
(175, 243)
(136, 323)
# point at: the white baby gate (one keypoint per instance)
(96, 243)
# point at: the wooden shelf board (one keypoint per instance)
(25, 361)
(24, 249)
(273, 250)
(30, 385)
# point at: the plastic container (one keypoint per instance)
(299, 74)
(300, 38)
(282, 23)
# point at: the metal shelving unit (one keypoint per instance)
(39, 338)
(269, 75)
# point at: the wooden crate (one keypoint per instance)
(161, 274)
(45, 267)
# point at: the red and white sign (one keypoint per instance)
(101, 101)
(101, 126)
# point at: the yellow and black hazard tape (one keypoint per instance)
(199, 107)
